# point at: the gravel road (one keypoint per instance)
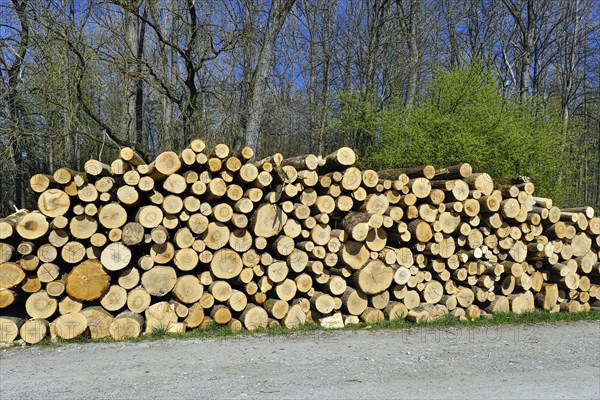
(528, 362)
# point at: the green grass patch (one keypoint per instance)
(219, 332)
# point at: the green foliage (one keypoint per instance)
(463, 117)
(356, 119)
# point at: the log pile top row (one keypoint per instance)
(210, 237)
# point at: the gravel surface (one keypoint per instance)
(527, 362)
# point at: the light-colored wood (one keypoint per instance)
(9, 329)
(254, 317)
(11, 275)
(374, 277)
(8, 297)
(40, 305)
(115, 257)
(112, 215)
(69, 326)
(126, 325)
(114, 299)
(159, 281)
(226, 264)
(32, 331)
(53, 203)
(32, 226)
(322, 302)
(520, 303)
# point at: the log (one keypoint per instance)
(548, 298)
(126, 325)
(32, 226)
(343, 157)
(69, 326)
(421, 230)
(372, 315)
(294, 317)
(53, 203)
(9, 329)
(195, 316)
(138, 300)
(87, 281)
(112, 215)
(322, 302)
(267, 221)
(433, 292)
(254, 317)
(149, 216)
(40, 305)
(186, 259)
(115, 257)
(11, 275)
(162, 253)
(9, 297)
(226, 264)
(358, 224)
(161, 317)
(373, 278)
(221, 314)
(33, 331)
(188, 289)
(520, 303)
(159, 280)
(114, 299)
(420, 187)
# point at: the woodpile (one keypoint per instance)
(212, 237)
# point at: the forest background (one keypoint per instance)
(511, 86)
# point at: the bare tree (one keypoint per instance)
(12, 63)
(278, 12)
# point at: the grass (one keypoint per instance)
(214, 331)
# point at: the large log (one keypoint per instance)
(374, 277)
(32, 226)
(9, 329)
(159, 280)
(53, 203)
(87, 281)
(69, 326)
(267, 221)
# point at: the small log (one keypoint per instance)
(188, 289)
(521, 303)
(267, 221)
(53, 203)
(114, 299)
(343, 157)
(221, 314)
(33, 331)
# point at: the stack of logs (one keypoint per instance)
(209, 237)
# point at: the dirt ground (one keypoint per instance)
(516, 362)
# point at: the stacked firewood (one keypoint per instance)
(210, 237)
